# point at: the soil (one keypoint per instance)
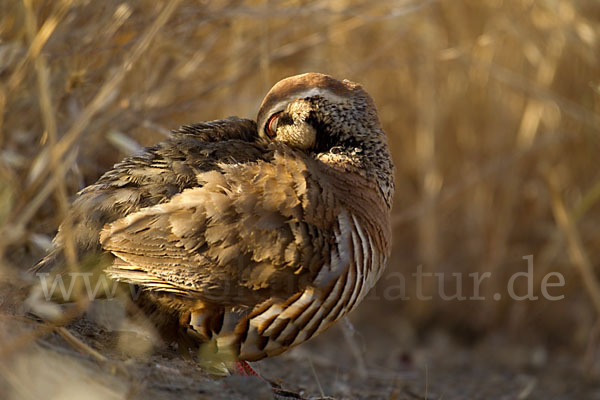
(370, 358)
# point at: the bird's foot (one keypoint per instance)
(244, 369)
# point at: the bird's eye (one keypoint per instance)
(271, 127)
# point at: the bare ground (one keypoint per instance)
(372, 358)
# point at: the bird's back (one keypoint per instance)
(151, 178)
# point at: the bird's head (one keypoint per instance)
(335, 121)
(316, 112)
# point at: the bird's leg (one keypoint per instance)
(244, 369)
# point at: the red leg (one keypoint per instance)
(244, 369)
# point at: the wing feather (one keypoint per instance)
(227, 238)
(153, 177)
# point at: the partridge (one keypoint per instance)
(252, 237)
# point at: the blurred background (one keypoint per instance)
(492, 109)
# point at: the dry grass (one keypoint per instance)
(492, 108)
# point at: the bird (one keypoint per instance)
(250, 237)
